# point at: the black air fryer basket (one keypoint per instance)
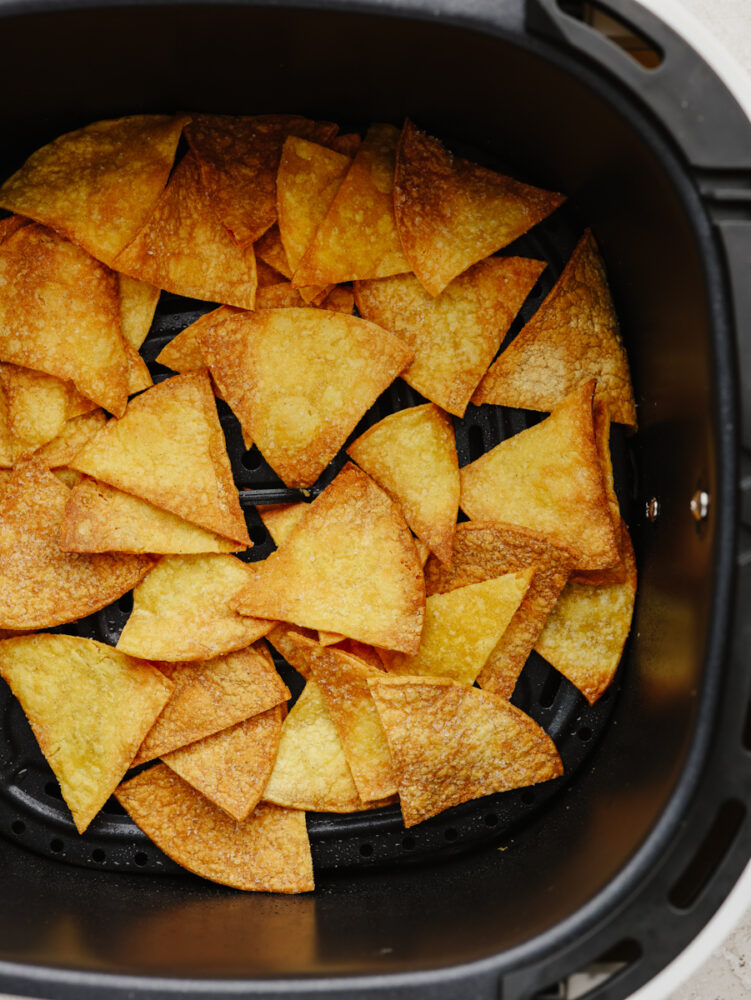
(625, 859)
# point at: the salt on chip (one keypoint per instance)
(184, 248)
(299, 380)
(40, 585)
(231, 768)
(138, 302)
(412, 455)
(180, 610)
(169, 449)
(89, 707)
(451, 743)
(548, 478)
(350, 566)
(455, 335)
(268, 852)
(452, 213)
(98, 185)
(74, 435)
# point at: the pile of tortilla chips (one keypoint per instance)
(335, 264)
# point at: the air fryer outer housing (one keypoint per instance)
(633, 857)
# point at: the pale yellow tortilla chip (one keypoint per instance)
(185, 249)
(89, 707)
(60, 314)
(138, 302)
(455, 335)
(350, 566)
(37, 406)
(451, 743)
(181, 612)
(169, 449)
(412, 455)
(357, 238)
(279, 519)
(299, 380)
(452, 213)
(98, 185)
(330, 638)
(268, 852)
(40, 585)
(74, 435)
(548, 478)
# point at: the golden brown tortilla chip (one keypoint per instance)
(183, 353)
(282, 637)
(37, 406)
(452, 213)
(270, 250)
(341, 298)
(357, 238)
(89, 707)
(412, 455)
(180, 610)
(67, 476)
(281, 296)
(40, 585)
(74, 435)
(138, 302)
(268, 852)
(573, 336)
(455, 335)
(98, 185)
(231, 768)
(350, 566)
(185, 249)
(280, 518)
(548, 478)
(169, 449)
(299, 380)
(362, 651)
(451, 743)
(10, 225)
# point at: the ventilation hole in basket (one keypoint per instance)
(56, 846)
(550, 688)
(366, 850)
(476, 442)
(585, 734)
(615, 30)
(408, 843)
(125, 604)
(141, 859)
(18, 827)
(491, 819)
(99, 856)
(257, 534)
(589, 980)
(252, 459)
(709, 855)
(53, 790)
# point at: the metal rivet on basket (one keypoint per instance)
(653, 509)
(700, 505)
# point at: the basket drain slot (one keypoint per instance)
(586, 982)
(710, 853)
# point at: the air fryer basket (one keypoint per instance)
(630, 855)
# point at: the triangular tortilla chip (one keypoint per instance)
(210, 695)
(138, 302)
(231, 768)
(483, 552)
(357, 238)
(99, 518)
(463, 627)
(40, 585)
(587, 629)
(37, 406)
(239, 158)
(183, 353)
(330, 638)
(412, 455)
(572, 337)
(185, 249)
(454, 336)
(268, 852)
(10, 225)
(267, 275)
(451, 743)
(180, 610)
(270, 250)
(73, 692)
(280, 518)
(548, 478)
(362, 651)
(452, 213)
(169, 449)
(98, 185)
(341, 298)
(74, 435)
(60, 314)
(350, 566)
(282, 637)
(299, 380)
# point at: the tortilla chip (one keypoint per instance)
(40, 585)
(180, 610)
(584, 636)
(239, 158)
(74, 435)
(268, 852)
(463, 627)
(350, 566)
(183, 353)
(267, 275)
(341, 298)
(452, 213)
(281, 296)
(282, 637)
(99, 518)
(98, 185)
(60, 314)
(484, 552)
(10, 225)
(451, 743)
(548, 478)
(412, 455)
(37, 405)
(184, 247)
(456, 335)
(299, 380)
(280, 518)
(231, 768)
(210, 695)
(330, 638)
(357, 238)
(362, 651)
(347, 144)
(138, 302)
(67, 476)
(169, 449)
(74, 692)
